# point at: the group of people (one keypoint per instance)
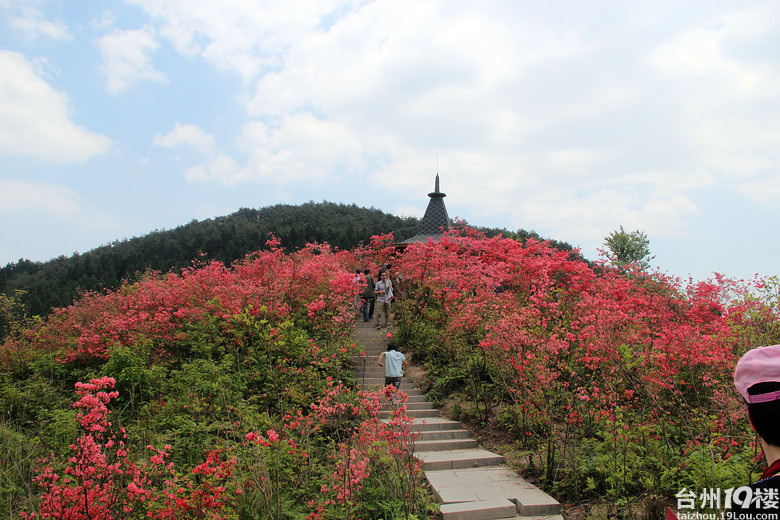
(376, 295)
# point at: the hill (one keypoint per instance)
(57, 282)
(214, 392)
(229, 389)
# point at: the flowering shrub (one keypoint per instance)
(173, 311)
(609, 380)
(240, 373)
(615, 385)
(367, 464)
(99, 481)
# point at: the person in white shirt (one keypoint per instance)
(384, 295)
(393, 361)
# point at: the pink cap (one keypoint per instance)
(760, 365)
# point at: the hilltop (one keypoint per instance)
(57, 282)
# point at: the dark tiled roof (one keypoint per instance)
(435, 221)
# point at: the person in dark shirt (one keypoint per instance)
(368, 296)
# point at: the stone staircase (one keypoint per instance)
(471, 483)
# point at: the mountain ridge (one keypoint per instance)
(56, 282)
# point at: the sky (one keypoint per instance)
(568, 118)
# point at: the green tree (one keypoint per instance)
(629, 248)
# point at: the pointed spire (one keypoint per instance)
(436, 192)
(435, 221)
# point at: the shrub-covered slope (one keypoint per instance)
(217, 392)
(613, 387)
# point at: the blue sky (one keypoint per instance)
(569, 118)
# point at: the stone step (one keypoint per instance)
(422, 398)
(379, 382)
(489, 483)
(407, 387)
(370, 373)
(458, 459)
(471, 483)
(443, 435)
(482, 510)
(375, 380)
(428, 424)
(444, 444)
(413, 405)
(384, 414)
(408, 390)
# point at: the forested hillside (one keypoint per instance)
(55, 283)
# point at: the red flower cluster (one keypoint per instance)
(100, 481)
(583, 352)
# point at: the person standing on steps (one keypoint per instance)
(356, 281)
(368, 296)
(384, 295)
(394, 362)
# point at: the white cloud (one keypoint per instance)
(727, 102)
(302, 147)
(186, 135)
(245, 37)
(699, 53)
(380, 67)
(127, 58)
(34, 118)
(577, 122)
(104, 22)
(19, 195)
(26, 18)
(32, 24)
(764, 189)
(221, 169)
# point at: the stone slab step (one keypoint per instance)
(380, 382)
(416, 398)
(415, 405)
(427, 424)
(489, 483)
(443, 435)
(376, 380)
(482, 510)
(373, 371)
(458, 459)
(444, 444)
(408, 389)
(472, 484)
(384, 414)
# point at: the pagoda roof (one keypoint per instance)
(435, 222)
